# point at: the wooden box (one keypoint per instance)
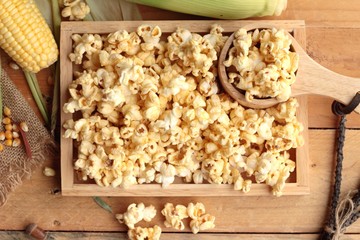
(298, 182)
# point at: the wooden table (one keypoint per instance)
(333, 40)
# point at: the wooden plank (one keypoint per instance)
(314, 12)
(332, 26)
(329, 47)
(70, 187)
(33, 201)
(293, 214)
(20, 235)
(66, 76)
(169, 26)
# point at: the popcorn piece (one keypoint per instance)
(202, 223)
(136, 213)
(200, 220)
(88, 44)
(151, 37)
(139, 233)
(174, 216)
(195, 210)
(75, 9)
(166, 175)
(265, 66)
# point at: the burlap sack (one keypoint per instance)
(14, 163)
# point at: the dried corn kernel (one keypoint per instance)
(2, 136)
(16, 142)
(15, 128)
(7, 111)
(24, 126)
(6, 120)
(8, 142)
(15, 134)
(8, 134)
(14, 66)
(8, 127)
(49, 172)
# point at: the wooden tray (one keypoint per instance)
(298, 182)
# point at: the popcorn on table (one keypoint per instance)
(152, 110)
(200, 220)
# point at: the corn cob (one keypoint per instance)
(25, 35)
(223, 9)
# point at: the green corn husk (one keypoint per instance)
(113, 10)
(222, 9)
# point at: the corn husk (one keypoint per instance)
(45, 9)
(113, 10)
(106, 10)
(222, 9)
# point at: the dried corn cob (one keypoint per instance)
(25, 36)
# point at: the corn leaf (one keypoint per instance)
(102, 204)
(129, 11)
(45, 9)
(223, 9)
(113, 10)
(56, 16)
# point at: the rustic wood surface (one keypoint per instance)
(69, 184)
(20, 235)
(333, 34)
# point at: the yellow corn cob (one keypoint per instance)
(25, 36)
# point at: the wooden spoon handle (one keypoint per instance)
(312, 78)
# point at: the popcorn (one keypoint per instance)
(265, 66)
(202, 223)
(174, 216)
(75, 9)
(87, 44)
(139, 233)
(151, 110)
(199, 219)
(135, 213)
(166, 175)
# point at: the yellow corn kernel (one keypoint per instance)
(16, 142)
(8, 142)
(8, 127)
(8, 134)
(1, 147)
(25, 35)
(24, 126)
(2, 136)
(6, 120)
(7, 111)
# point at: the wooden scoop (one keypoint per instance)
(311, 78)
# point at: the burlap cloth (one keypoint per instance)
(14, 163)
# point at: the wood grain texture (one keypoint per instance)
(287, 214)
(20, 235)
(316, 13)
(332, 34)
(70, 186)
